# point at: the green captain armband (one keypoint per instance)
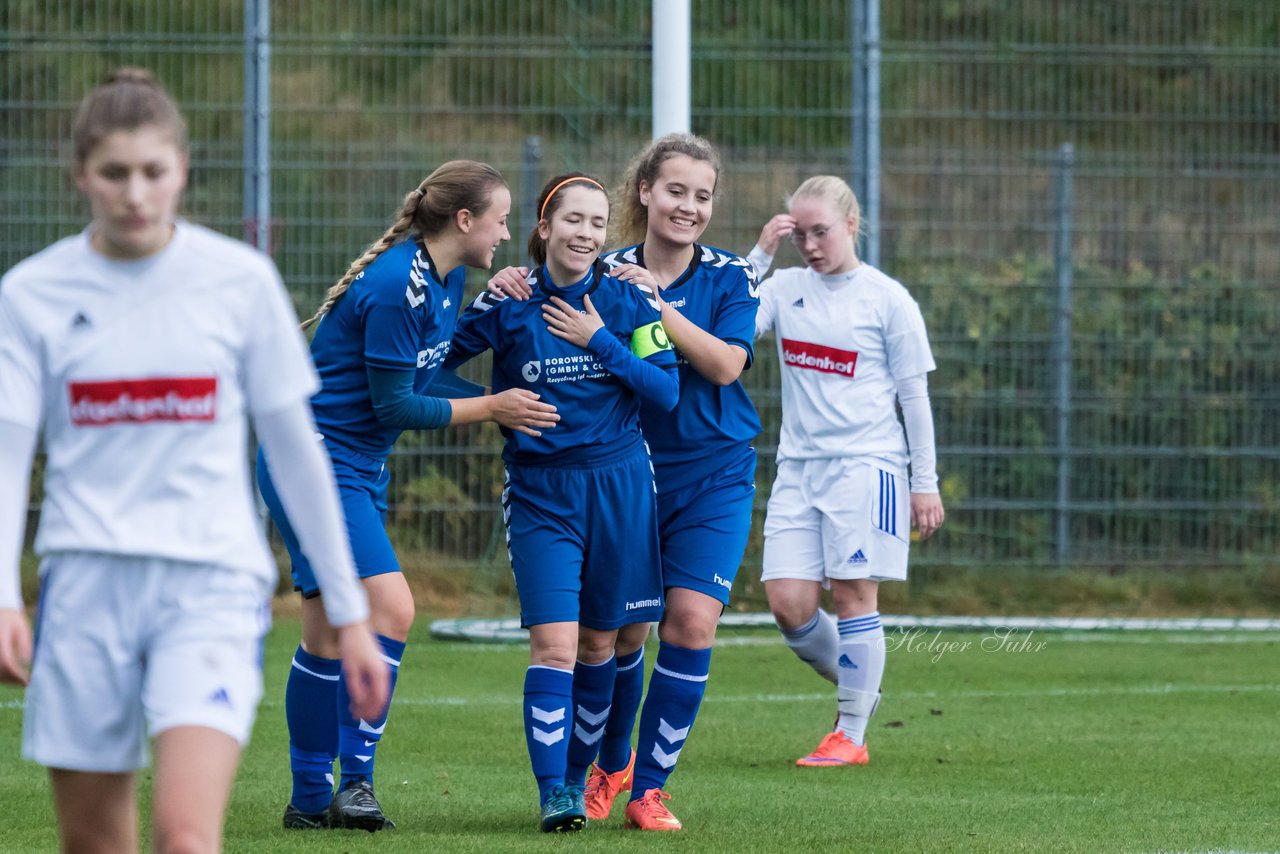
(649, 339)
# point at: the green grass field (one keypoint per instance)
(1048, 742)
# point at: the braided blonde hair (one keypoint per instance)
(427, 209)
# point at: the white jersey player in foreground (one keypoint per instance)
(851, 340)
(138, 347)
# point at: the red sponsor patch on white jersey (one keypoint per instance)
(816, 357)
(102, 402)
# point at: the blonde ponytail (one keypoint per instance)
(428, 209)
(389, 238)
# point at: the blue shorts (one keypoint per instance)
(584, 542)
(704, 529)
(362, 488)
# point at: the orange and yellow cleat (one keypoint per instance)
(603, 787)
(836, 749)
(650, 813)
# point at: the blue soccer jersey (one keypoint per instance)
(599, 414)
(718, 292)
(399, 315)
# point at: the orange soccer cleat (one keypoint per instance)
(603, 787)
(650, 813)
(836, 749)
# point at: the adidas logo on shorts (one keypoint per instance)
(857, 558)
(798, 303)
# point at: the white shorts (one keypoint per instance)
(128, 646)
(837, 518)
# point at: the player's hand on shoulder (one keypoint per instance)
(510, 282)
(926, 513)
(636, 275)
(15, 646)
(565, 321)
(774, 230)
(523, 411)
(367, 674)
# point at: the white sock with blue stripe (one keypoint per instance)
(861, 669)
(817, 643)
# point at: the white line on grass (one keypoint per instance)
(825, 696)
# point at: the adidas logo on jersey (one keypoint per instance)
(80, 321)
(857, 557)
(798, 303)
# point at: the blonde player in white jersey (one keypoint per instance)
(137, 348)
(851, 342)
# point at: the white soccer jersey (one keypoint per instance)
(842, 340)
(141, 374)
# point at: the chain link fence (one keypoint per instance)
(1108, 389)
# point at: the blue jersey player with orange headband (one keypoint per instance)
(705, 473)
(384, 331)
(579, 501)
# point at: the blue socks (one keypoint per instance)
(548, 694)
(358, 739)
(311, 709)
(675, 692)
(628, 688)
(592, 700)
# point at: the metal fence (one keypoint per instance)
(1107, 395)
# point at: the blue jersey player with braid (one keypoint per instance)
(579, 501)
(384, 331)
(705, 474)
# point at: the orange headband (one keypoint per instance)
(555, 189)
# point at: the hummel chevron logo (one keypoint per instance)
(666, 760)
(593, 720)
(587, 736)
(365, 726)
(670, 733)
(415, 292)
(716, 259)
(363, 758)
(547, 737)
(486, 301)
(542, 716)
